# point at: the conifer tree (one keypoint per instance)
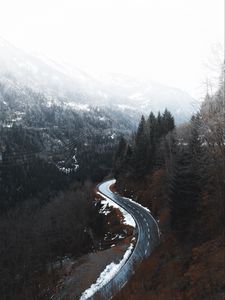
(151, 125)
(140, 150)
(167, 122)
(184, 193)
(119, 158)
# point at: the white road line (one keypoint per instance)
(145, 252)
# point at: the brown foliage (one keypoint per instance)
(171, 273)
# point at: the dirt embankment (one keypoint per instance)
(171, 273)
(111, 241)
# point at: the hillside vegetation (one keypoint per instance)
(180, 175)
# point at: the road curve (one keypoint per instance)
(147, 239)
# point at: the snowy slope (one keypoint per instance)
(65, 82)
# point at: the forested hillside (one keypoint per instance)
(50, 155)
(39, 136)
(50, 148)
(179, 173)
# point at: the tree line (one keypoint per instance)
(36, 237)
(191, 162)
(139, 155)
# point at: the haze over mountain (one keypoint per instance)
(112, 150)
(64, 82)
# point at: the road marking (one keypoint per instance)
(140, 225)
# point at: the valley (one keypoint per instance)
(68, 231)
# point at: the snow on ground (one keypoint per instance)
(78, 106)
(110, 271)
(67, 170)
(128, 219)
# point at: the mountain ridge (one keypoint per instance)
(69, 83)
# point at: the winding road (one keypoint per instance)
(147, 238)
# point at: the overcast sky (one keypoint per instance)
(165, 40)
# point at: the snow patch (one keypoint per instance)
(128, 219)
(113, 136)
(67, 170)
(102, 118)
(110, 271)
(137, 96)
(78, 106)
(125, 107)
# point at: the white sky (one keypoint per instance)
(165, 40)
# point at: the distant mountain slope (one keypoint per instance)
(64, 82)
(46, 142)
(145, 96)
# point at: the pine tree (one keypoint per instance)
(141, 148)
(119, 158)
(195, 142)
(184, 194)
(141, 132)
(167, 122)
(151, 138)
(158, 128)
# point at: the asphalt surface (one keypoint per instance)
(147, 239)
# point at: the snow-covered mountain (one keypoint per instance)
(42, 74)
(64, 82)
(145, 96)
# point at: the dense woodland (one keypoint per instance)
(40, 138)
(179, 173)
(140, 156)
(50, 155)
(35, 237)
